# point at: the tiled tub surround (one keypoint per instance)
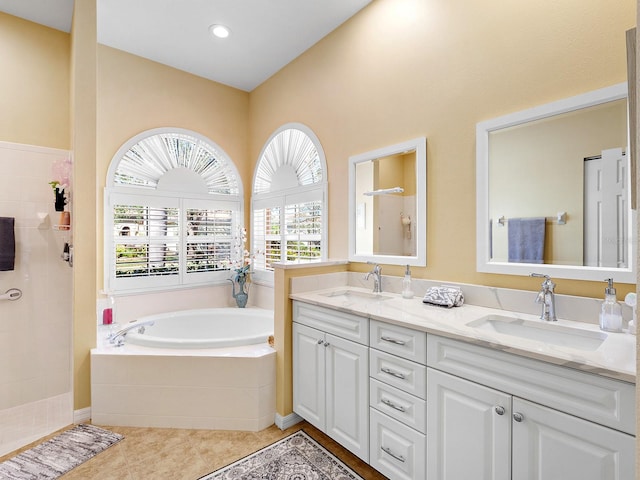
(224, 389)
(615, 358)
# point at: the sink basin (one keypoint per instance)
(356, 296)
(541, 331)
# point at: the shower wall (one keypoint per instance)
(35, 331)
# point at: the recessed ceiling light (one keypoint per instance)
(219, 31)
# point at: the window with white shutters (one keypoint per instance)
(289, 200)
(172, 205)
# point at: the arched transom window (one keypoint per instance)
(288, 202)
(173, 206)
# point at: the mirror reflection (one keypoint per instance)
(557, 188)
(386, 186)
(387, 205)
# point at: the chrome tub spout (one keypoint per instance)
(118, 338)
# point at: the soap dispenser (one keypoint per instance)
(611, 313)
(406, 284)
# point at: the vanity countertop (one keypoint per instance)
(614, 358)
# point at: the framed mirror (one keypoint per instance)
(553, 190)
(387, 204)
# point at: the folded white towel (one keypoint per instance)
(444, 296)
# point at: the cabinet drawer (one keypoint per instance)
(345, 325)
(397, 451)
(408, 376)
(598, 399)
(401, 341)
(408, 409)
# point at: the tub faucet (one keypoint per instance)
(547, 298)
(118, 338)
(377, 277)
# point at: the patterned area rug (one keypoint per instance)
(58, 455)
(296, 457)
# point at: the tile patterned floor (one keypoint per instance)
(177, 454)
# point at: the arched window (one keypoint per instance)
(173, 207)
(289, 199)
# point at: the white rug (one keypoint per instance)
(58, 455)
(296, 457)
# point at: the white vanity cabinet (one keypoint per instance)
(331, 374)
(573, 425)
(398, 391)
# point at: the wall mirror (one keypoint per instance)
(387, 204)
(553, 190)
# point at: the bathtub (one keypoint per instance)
(205, 328)
(167, 377)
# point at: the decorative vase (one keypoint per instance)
(60, 200)
(242, 296)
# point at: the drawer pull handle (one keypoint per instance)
(393, 373)
(518, 417)
(389, 452)
(500, 410)
(393, 340)
(389, 403)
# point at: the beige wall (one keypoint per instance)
(34, 84)
(83, 211)
(407, 68)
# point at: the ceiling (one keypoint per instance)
(265, 34)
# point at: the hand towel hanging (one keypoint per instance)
(7, 243)
(526, 240)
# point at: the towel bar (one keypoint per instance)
(560, 219)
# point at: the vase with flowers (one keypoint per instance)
(58, 192)
(240, 268)
(61, 172)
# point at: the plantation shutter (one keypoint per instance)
(146, 240)
(303, 227)
(208, 238)
(266, 237)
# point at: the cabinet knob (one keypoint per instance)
(320, 342)
(326, 344)
(500, 410)
(518, 417)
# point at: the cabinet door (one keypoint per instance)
(309, 374)
(347, 392)
(550, 445)
(468, 430)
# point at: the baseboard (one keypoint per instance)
(82, 416)
(287, 421)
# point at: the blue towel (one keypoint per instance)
(7, 243)
(526, 240)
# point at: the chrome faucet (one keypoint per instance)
(377, 277)
(118, 338)
(547, 298)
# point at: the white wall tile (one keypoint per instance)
(35, 336)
